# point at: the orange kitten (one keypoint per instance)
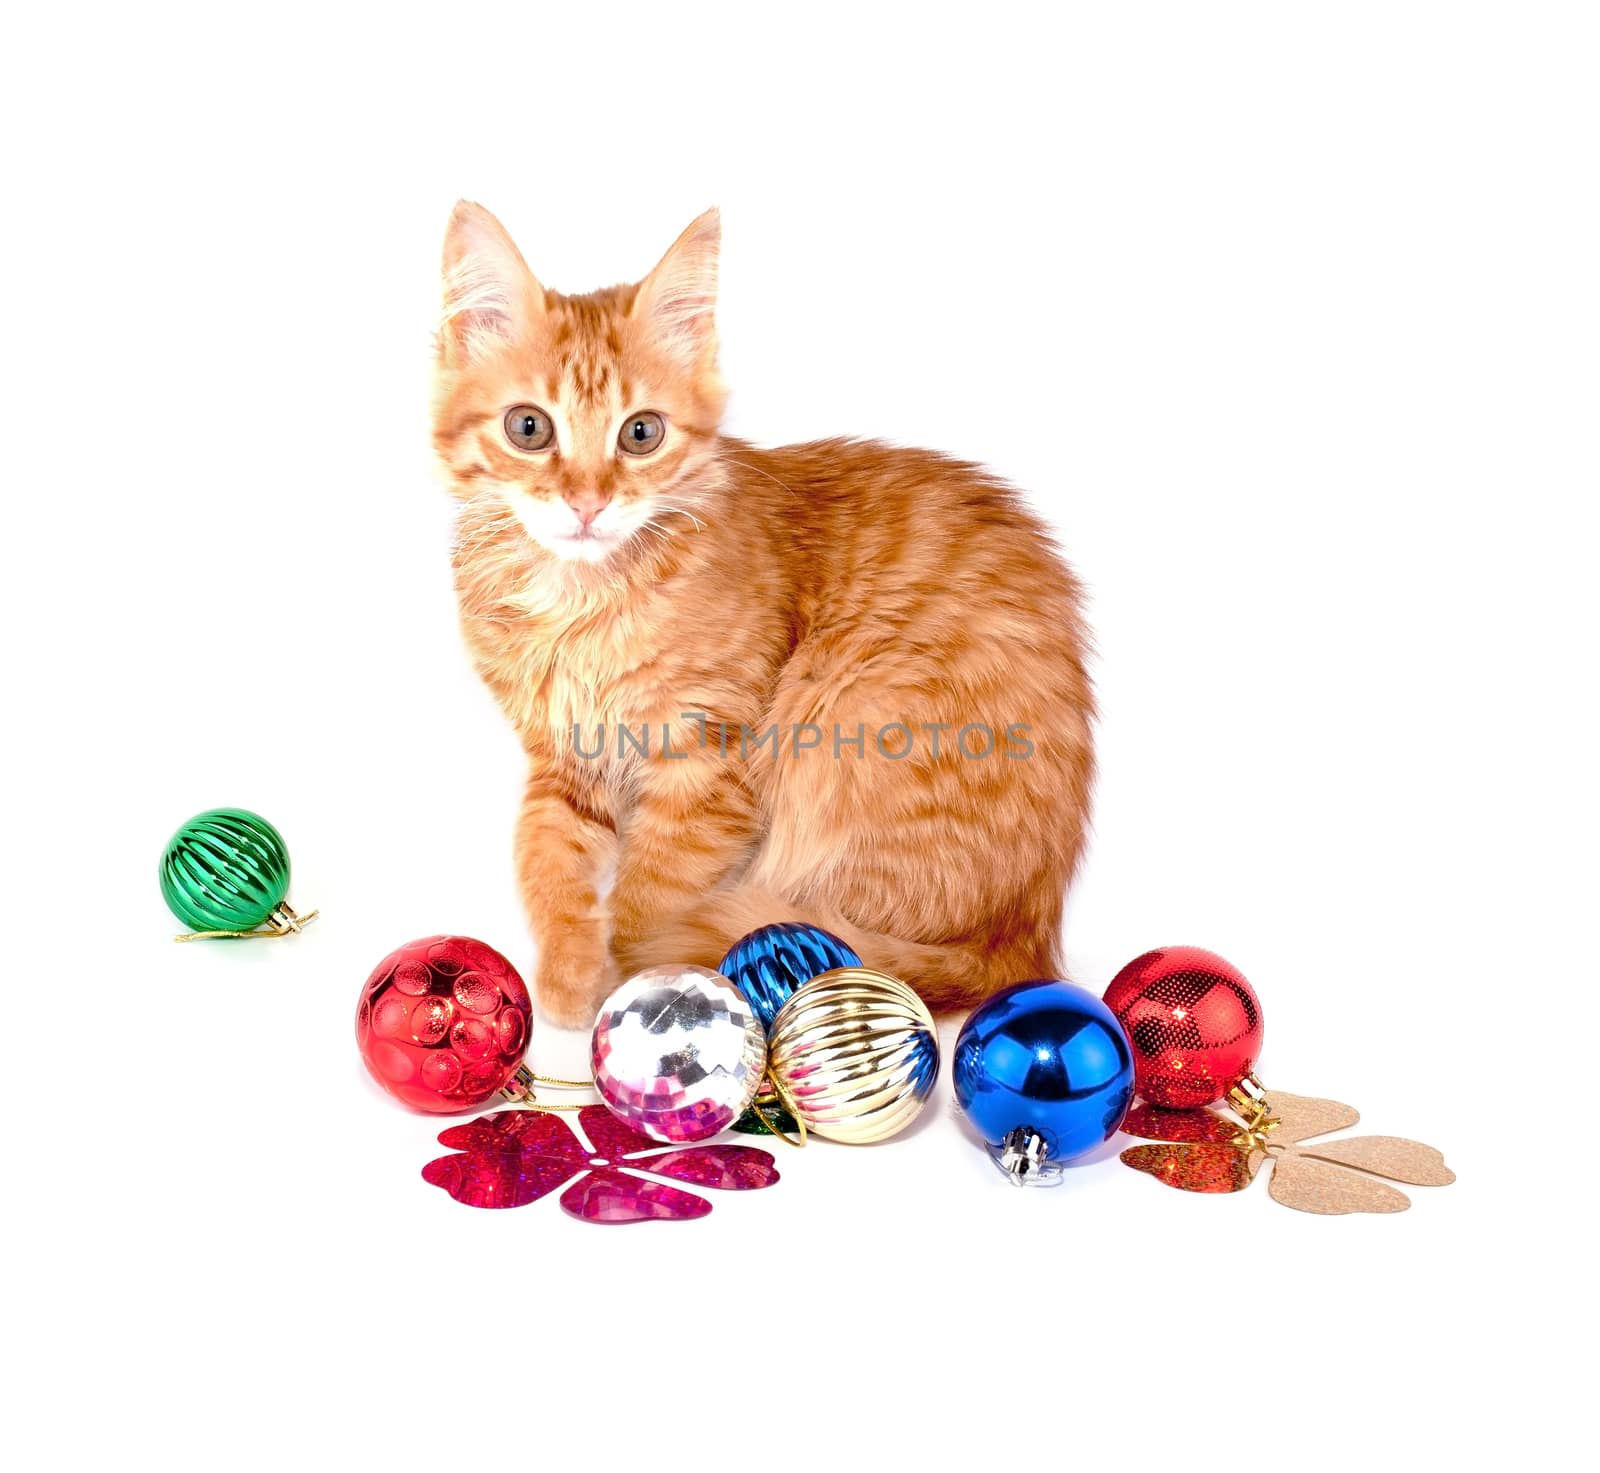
(839, 682)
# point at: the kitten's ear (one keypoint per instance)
(489, 293)
(677, 301)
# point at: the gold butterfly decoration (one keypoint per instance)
(1208, 1151)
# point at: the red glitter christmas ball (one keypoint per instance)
(443, 1023)
(1194, 1023)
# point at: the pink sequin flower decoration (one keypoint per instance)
(514, 1157)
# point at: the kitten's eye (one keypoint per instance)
(642, 433)
(528, 427)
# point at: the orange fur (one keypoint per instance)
(839, 583)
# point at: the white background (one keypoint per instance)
(1287, 317)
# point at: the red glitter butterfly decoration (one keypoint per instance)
(514, 1157)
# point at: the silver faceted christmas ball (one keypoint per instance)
(678, 1053)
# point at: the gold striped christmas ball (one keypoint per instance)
(854, 1054)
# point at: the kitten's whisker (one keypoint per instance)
(745, 465)
(479, 536)
(682, 511)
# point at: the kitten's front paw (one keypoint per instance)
(570, 984)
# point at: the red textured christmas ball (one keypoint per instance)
(443, 1023)
(1194, 1023)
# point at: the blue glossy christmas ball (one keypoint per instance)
(770, 965)
(1043, 1067)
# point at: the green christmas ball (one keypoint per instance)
(760, 1121)
(225, 870)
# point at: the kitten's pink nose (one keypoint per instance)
(587, 505)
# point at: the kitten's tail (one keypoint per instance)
(951, 976)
